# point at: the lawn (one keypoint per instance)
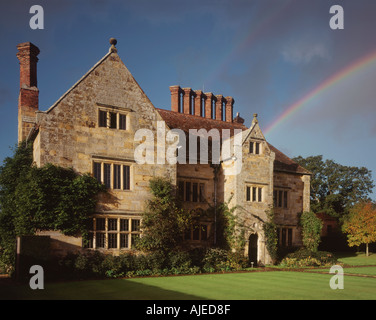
(359, 283)
(275, 285)
(357, 259)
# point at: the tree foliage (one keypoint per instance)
(360, 225)
(335, 188)
(311, 230)
(163, 222)
(271, 238)
(46, 198)
(230, 226)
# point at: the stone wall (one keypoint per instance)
(69, 133)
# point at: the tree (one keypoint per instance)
(12, 170)
(45, 198)
(360, 225)
(311, 230)
(335, 188)
(163, 221)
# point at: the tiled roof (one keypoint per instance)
(176, 120)
(284, 163)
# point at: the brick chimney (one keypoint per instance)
(208, 105)
(218, 107)
(198, 103)
(175, 98)
(28, 98)
(229, 109)
(187, 100)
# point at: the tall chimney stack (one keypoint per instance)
(229, 109)
(175, 98)
(28, 99)
(218, 107)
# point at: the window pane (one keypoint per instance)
(107, 175)
(187, 191)
(257, 151)
(196, 233)
(100, 240)
(124, 240)
(195, 192)
(202, 192)
(102, 118)
(112, 120)
(248, 194)
(254, 190)
(289, 237)
(259, 194)
(117, 180)
(135, 225)
(112, 240)
(112, 224)
(280, 197)
(124, 224)
(251, 147)
(97, 171)
(204, 232)
(126, 178)
(122, 122)
(285, 199)
(100, 224)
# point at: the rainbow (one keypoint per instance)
(355, 67)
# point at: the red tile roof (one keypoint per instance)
(176, 120)
(183, 121)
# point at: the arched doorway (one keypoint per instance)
(252, 248)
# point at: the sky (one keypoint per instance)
(312, 87)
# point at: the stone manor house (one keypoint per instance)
(92, 127)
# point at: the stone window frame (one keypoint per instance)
(255, 147)
(201, 190)
(199, 226)
(287, 242)
(281, 202)
(249, 195)
(110, 110)
(125, 186)
(106, 234)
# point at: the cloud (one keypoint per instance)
(304, 52)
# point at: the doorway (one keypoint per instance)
(252, 248)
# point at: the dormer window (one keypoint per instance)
(254, 147)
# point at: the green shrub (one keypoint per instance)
(179, 259)
(237, 261)
(215, 259)
(311, 232)
(307, 258)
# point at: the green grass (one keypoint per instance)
(276, 285)
(366, 271)
(357, 259)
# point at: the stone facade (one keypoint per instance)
(92, 128)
